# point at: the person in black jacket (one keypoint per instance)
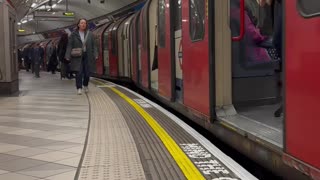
(61, 51)
(53, 62)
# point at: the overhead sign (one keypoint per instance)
(54, 16)
(68, 14)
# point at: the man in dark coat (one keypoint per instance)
(38, 54)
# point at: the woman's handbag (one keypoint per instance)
(77, 52)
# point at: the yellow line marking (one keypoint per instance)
(185, 164)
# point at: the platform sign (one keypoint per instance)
(142, 103)
(207, 163)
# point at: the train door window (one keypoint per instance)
(196, 22)
(114, 40)
(309, 8)
(162, 23)
(105, 40)
(177, 16)
(144, 29)
(97, 39)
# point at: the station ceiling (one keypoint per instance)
(43, 15)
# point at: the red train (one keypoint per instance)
(213, 62)
(183, 53)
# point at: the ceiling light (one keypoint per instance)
(33, 5)
(53, 6)
(59, 1)
(19, 23)
(24, 21)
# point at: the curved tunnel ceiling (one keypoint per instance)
(81, 8)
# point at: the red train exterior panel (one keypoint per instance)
(195, 65)
(99, 34)
(302, 54)
(134, 48)
(164, 56)
(144, 46)
(112, 51)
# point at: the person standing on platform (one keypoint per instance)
(37, 59)
(53, 61)
(82, 54)
(61, 51)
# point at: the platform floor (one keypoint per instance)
(49, 132)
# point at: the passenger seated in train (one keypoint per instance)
(253, 38)
(277, 38)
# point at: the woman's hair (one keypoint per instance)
(79, 23)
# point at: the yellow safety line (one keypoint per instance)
(185, 164)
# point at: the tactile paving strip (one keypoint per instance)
(156, 160)
(210, 166)
(111, 152)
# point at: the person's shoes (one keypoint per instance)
(79, 91)
(86, 89)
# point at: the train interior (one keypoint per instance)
(257, 72)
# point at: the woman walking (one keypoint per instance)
(82, 54)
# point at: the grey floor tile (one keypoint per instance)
(7, 157)
(63, 137)
(65, 176)
(23, 131)
(15, 176)
(4, 147)
(76, 149)
(54, 156)
(38, 142)
(42, 134)
(3, 171)
(59, 145)
(19, 164)
(74, 161)
(46, 170)
(27, 152)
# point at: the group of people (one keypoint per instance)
(81, 63)
(32, 57)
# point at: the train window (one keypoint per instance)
(114, 40)
(97, 39)
(177, 15)
(309, 8)
(106, 40)
(162, 23)
(144, 29)
(196, 16)
(138, 31)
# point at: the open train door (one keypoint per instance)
(302, 89)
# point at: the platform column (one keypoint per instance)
(9, 83)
